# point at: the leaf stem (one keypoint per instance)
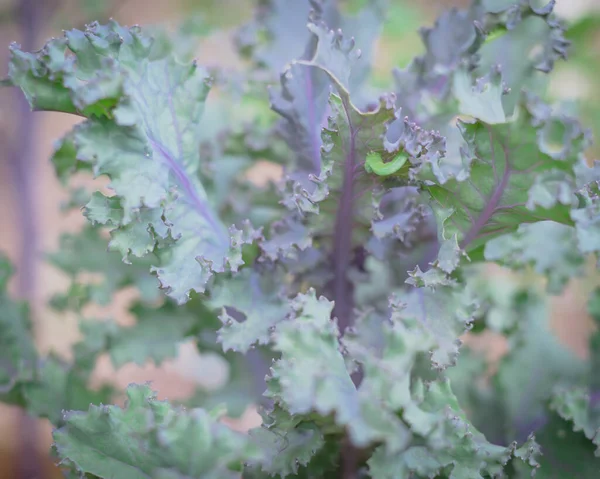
(494, 201)
(342, 241)
(342, 287)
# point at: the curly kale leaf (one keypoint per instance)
(391, 354)
(18, 356)
(144, 110)
(150, 438)
(523, 41)
(278, 35)
(86, 253)
(155, 336)
(513, 174)
(558, 261)
(44, 386)
(331, 184)
(250, 306)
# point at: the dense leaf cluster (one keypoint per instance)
(356, 274)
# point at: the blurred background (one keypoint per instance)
(31, 219)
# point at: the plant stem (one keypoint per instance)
(342, 240)
(29, 17)
(594, 382)
(349, 460)
(342, 256)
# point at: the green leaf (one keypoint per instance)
(534, 41)
(43, 386)
(558, 261)
(6, 271)
(319, 382)
(302, 102)
(289, 443)
(535, 365)
(18, 354)
(431, 278)
(385, 375)
(454, 448)
(587, 225)
(144, 112)
(260, 304)
(60, 387)
(287, 238)
(442, 441)
(565, 453)
(483, 100)
(239, 392)
(278, 34)
(507, 178)
(499, 295)
(575, 405)
(311, 374)
(444, 314)
(155, 336)
(352, 136)
(86, 252)
(476, 396)
(150, 438)
(265, 38)
(594, 381)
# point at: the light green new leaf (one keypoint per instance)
(482, 101)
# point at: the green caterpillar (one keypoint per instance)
(374, 164)
(496, 33)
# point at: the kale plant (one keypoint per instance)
(354, 276)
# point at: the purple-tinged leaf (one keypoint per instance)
(510, 180)
(303, 103)
(145, 137)
(278, 35)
